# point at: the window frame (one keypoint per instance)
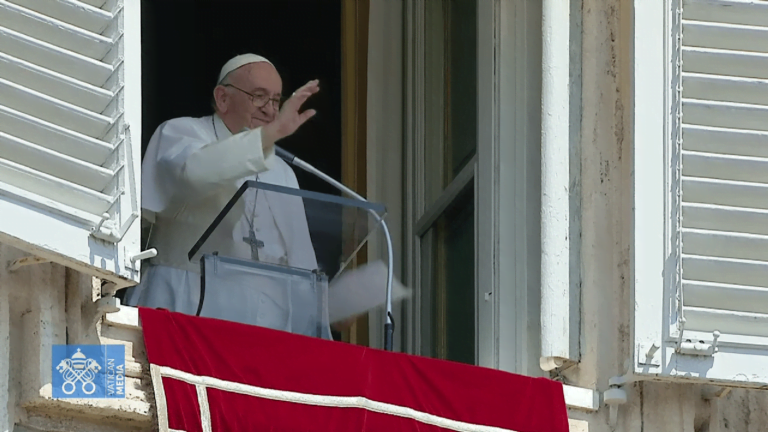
(505, 175)
(650, 125)
(422, 213)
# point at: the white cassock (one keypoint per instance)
(192, 168)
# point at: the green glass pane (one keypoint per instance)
(462, 87)
(448, 291)
(450, 91)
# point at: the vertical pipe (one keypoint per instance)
(555, 162)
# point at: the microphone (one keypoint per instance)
(284, 155)
(389, 324)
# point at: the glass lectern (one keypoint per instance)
(266, 258)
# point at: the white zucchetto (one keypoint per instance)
(239, 61)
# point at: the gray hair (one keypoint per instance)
(224, 81)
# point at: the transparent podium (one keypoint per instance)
(266, 258)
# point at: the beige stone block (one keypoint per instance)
(578, 425)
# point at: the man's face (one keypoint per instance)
(264, 87)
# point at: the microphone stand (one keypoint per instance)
(389, 325)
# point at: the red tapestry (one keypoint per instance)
(214, 375)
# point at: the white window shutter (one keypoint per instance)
(70, 132)
(701, 216)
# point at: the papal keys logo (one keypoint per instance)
(88, 371)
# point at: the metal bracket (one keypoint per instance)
(613, 397)
(116, 234)
(652, 356)
(699, 348)
(616, 395)
(26, 261)
(113, 235)
(133, 259)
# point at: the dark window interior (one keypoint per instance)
(185, 43)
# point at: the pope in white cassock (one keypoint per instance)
(192, 168)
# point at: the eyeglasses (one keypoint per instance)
(259, 100)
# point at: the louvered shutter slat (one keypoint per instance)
(725, 114)
(53, 188)
(725, 166)
(725, 89)
(727, 12)
(725, 62)
(51, 57)
(725, 141)
(59, 139)
(72, 12)
(708, 295)
(724, 218)
(725, 193)
(53, 110)
(725, 36)
(57, 164)
(740, 323)
(53, 31)
(54, 84)
(725, 270)
(725, 244)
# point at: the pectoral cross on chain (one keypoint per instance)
(255, 244)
